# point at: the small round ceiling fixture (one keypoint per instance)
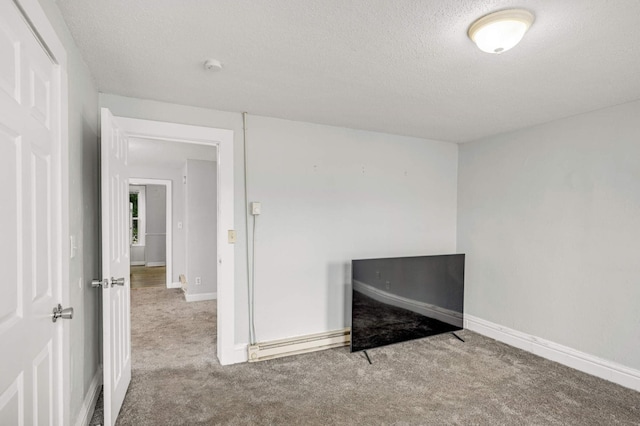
(499, 31)
(212, 65)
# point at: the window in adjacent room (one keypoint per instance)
(136, 215)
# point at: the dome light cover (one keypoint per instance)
(500, 31)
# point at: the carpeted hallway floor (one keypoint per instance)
(435, 381)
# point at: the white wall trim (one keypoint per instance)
(426, 309)
(199, 297)
(240, 353)
(611, 371)
(137, 263)
(152, 264)
(222, 139)
(90, 399)
(175, 285)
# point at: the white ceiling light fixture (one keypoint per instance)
(499, 31)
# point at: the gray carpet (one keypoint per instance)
(435, 381)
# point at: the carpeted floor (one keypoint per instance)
(435, 381)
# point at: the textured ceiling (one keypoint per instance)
(403, 66)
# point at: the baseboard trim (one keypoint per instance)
(151, 264)
(199, 297)
(298, 345)
(174, 285)
(611, 371)
(240, 353)
(137, 263)
(90, 399)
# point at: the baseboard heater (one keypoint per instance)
(299, 345)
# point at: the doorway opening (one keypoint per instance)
(117, 133)
(173, 215)
(222, 141)
(150, 229)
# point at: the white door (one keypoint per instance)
(31, 379)
(116, 310)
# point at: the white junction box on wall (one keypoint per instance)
(255, 208)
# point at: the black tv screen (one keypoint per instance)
(405, 298)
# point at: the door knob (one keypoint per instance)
(117, 281)
(100, 283)
(58, 312)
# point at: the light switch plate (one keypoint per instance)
(73, 247)
(232, 236)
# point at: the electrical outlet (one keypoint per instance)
(198, 280)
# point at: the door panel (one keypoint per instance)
(43, 387)
(116, 308)
(10, 158)
(30, 225)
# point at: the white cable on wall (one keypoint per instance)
(250, 262)
(252, 326)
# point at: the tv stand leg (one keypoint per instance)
(457, 337)
(367, 355)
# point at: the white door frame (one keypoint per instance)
(37, 20)
(222, 139)
(168, 225)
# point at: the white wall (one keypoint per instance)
(84, 223)
(201, 225)
(550, 220)
(316, 219)
(155, 251)
(177, 212)
(136, 256)
(330, 195)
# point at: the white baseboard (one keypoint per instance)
(299, 345)
(237, 355)
(240, 353)
(611, 371)
(200, 297)
(174, 285)
(137, 263)
(90, 399)
(151, 264)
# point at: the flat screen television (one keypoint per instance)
(405, 298)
